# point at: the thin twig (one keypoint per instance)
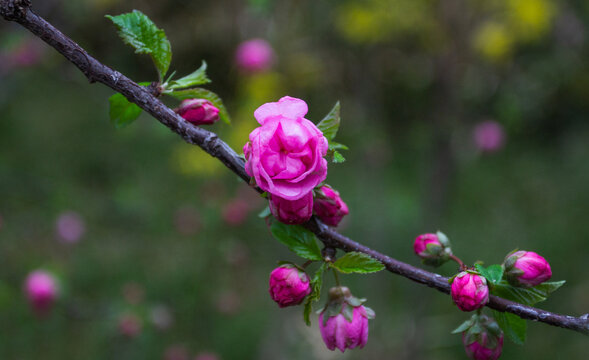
(19, 11)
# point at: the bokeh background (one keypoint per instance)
(158, 248)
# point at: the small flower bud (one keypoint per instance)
(526, 269)
(289, 285)
(329, 206)
(292, 211)
(483, 340)
(343, 323)
(41, 290)
(70, 227)
(254, 55)
(469, 291)
(433, 249)
(198, 111)
(489, 136)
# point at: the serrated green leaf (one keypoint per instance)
(513, 326)
(121, 111)
(199, 77)
(330, 123)
(137, 30)
(492, 273)
(200, 93)
(338, 158)
(357, 262)
(337, 146)
(315, 294)
(526, 296)
(298, 239)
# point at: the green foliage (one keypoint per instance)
(463, 327)
(526, 296)
(198, 77)
(513, 326)
(492, 273)
(338, 158)
(330, 123)
(200, 93)
(298, 239)
(122, 112)
(315, 294)
(137, 30)
(357, 262)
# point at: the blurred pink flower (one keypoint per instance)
(130, 325)
(235, 212)
(161, 317)
(42, 290)
(489, 136)
(254, 55)
(70, 227)
(205, 355)
(176, 352)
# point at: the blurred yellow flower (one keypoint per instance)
(191, 160)
(530, 19)
(493, 41)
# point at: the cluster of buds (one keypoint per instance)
(343, 322)
(41, 290)
(433, 249)
(198, 111)
(483, 339)
(526, 269)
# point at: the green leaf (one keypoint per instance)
(492, 273)
(526, 296)
(264, 213)
(137, 30)
(512, 325)
(298, 239)
(316, 284)
(337, 146)
(357, 262)
(463, 327)
(330, 123)
(338, 158)
(122, 112)
(200, 93)
(199, 77)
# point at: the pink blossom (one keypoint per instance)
(130, 325)
(469, 291)
(489, 136)
(527, 269)
(70, 227)
(288, 285)
(481, 348)
(205, 355)
(41, 290)
(329, 206)
(292, 211)
(176, 352)
(254, 55)
(338, 332)
(235, 212)
(198, 111)
(285, 154)
(421, 243)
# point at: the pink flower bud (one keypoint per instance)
(526, 268)
(254, 55)
(329, 206)
(483, 340)
(292, 211)
(469, 291)
(489, 136)
(198, 111)
(433, 249)
(343, 323)
(288, 285)
(41, 290)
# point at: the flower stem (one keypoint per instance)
(460, 263)
(336, 276)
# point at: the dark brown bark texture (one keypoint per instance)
(20, 12)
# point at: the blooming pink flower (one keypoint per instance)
(526, 268)
(338, 332)
(292, 211)
(469, 291)
(482, 347)
(285, 154)
(489, 136)
(41, 290)
(70, 227)
(254, 55)
(288, 285)
(198, 111)
(329, 206)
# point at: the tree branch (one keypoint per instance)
(19, 11)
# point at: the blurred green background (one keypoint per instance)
(171, 237)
